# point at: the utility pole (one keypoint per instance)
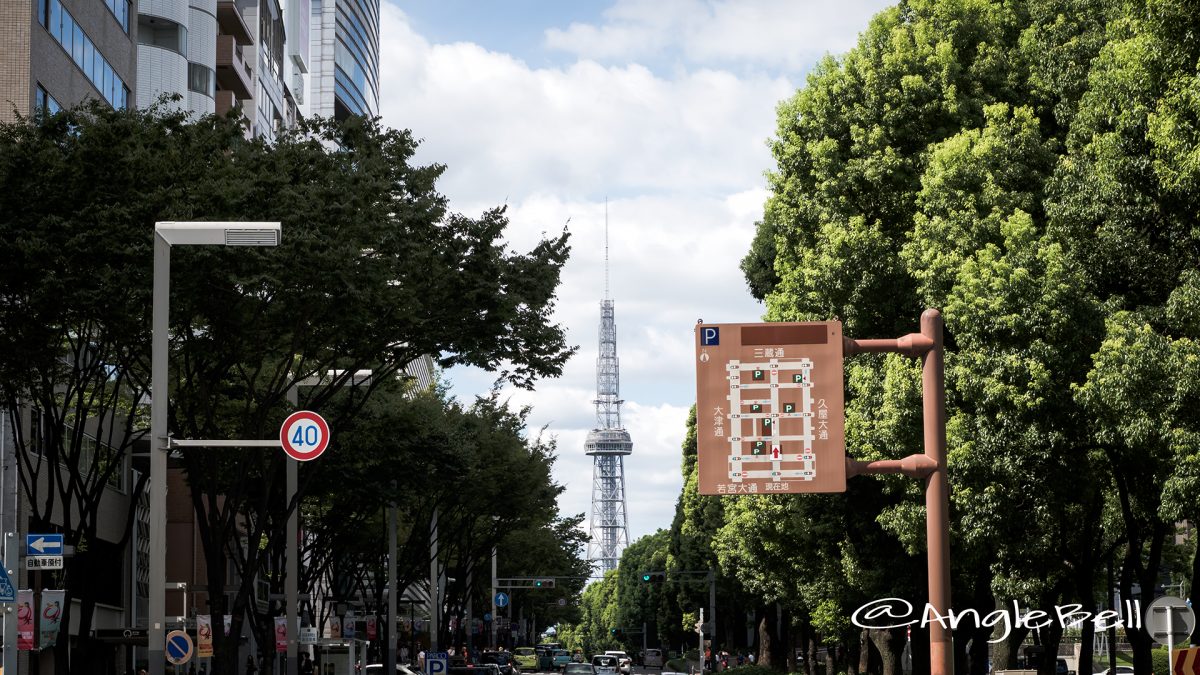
(493, 622)
(8, 454)
(389, 662)
(435, 587)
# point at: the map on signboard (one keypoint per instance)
(769, 408)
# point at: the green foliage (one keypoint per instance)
(1030, 169)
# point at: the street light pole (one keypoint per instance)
(167, 234)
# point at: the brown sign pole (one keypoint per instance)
(930, 466)
(770, 419)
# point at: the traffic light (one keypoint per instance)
(612, 632)
(543, 583)
(654, 577)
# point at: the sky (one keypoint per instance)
(656, 111)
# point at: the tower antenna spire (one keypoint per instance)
(606, 248)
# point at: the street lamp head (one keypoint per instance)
(219, 233)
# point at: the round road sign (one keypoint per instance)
(304, 435)
(502, 599)
(179, 647)
(1169, 620)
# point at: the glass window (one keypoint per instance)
(200, 79)
(77, 44)
(56, 19)
(89, 59)
(41, 11)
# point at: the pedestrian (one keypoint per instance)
(404, 654)
(421, 660)
(251, 668)
(306, 664)
(750, 658)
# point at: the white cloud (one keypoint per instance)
(777, 33)
(507, 130)
(681, 155)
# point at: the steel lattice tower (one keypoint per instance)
(608, 443)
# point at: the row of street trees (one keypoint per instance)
(373, 272)
(1031, 169)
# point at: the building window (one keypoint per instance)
(202, 80)
(59, 23)
(46, 102)
(159, 32)
(120, 12)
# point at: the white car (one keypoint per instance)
(625, 664)
(605, 664)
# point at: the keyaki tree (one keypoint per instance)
(373, 271)
(1029, 169)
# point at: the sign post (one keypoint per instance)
(763, 430)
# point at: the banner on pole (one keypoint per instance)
(335, 627)
(228, 624)
(204, 635)
(52, 602)
(372, 628)
(281, 634)
(25, 620)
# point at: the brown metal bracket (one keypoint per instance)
(913, 466)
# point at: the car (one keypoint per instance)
(653, 658)
(605, 664)
(561, 658)
(1121, 670)
(624, 663)
(526, 658)
(377, 669)
(579, 669)
(502, 660)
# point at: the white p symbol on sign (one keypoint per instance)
(437, 667)
(710, 336)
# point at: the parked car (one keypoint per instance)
(653, 658)
(526, 658)
(624, 663)
(1121, 670)
(605, 664)
(561, 658)
(502, 660)
(579, 669)
(377, 669)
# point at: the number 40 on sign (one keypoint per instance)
(304, 435)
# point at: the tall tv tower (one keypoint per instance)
(608, 443)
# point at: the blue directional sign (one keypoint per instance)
(179, 647)
(8, 592)
(43, 544)
(502, 599)
(487, 616)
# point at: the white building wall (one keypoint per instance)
(160, 71)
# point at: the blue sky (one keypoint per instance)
(664, 107)
(512, 26)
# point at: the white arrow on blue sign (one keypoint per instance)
(502, 599)
(8, 592)
(43, 544)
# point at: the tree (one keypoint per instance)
(373, 271)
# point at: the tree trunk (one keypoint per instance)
(890, 644)
(1195, 585)
(764, 637)
(1050, 637)
(1007, 650)
(810, 651)
(864, 651)
(979, 651)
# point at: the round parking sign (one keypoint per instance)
(178, 647)
(304, 435)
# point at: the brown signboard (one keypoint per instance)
(769, 417)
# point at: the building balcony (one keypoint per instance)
(226, 102)
(230, 21)
(233, 73)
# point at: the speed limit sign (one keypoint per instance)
(304, 435)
